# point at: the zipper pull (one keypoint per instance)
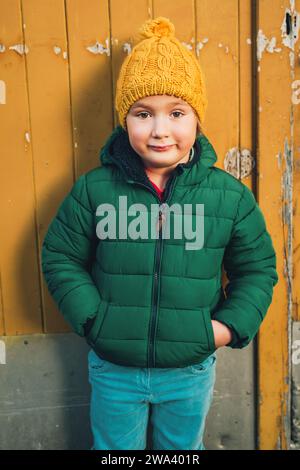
(159, 222)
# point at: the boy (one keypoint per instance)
(149, 302)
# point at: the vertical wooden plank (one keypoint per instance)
(217, 46)
(296, 224)
(49, 102)
(182, 14)
(19, 264)
(275, 186)
(91, 84)
(125, 33)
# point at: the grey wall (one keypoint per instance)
(44, 395)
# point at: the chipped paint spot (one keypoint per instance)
(2, 48)
(239, 164)
(287, 222)
(220, 45)
(75, 145)
(127, 47)
(260, 109)
(249, 41)
(98, 48)
(296, 93)
(27, 136)
(187, 45)
(290, 27)
(2, 92)
(279, 159)
(21, 49)
(200, 45)
(263, 43)
(57, 51)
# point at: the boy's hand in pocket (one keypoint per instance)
(222, 333)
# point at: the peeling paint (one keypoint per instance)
(27, 136)
(21, 49)
(187, 45)
(292, 59)
(287, 185)
(2, 48)
(263, 43)
(127, 47)
(98, 48)
(290, 27)
(279, 160)
(225, 47)
(239, 163)
(57, 51)
(296, 94)
(249, 41)
(2, 92)
(200, 45)
(287, 223)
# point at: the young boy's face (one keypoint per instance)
(162, 129)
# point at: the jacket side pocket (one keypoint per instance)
(94, 333)
(209, 330)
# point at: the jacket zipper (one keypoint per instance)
(157, 263)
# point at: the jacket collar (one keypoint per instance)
(117, 151)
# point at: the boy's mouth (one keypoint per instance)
(158, 148)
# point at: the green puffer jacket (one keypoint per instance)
(149, 301)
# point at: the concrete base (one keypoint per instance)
(45, 394)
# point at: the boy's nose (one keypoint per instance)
(160, 128)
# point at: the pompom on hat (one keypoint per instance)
(160, 65)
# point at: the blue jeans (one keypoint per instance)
(180, 400)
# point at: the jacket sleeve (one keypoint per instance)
(250, 265)
(67, 253)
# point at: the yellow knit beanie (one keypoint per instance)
(160, 65)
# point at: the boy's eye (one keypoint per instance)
(177, 112)
(143, 113)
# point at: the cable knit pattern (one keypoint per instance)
(160, 65)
